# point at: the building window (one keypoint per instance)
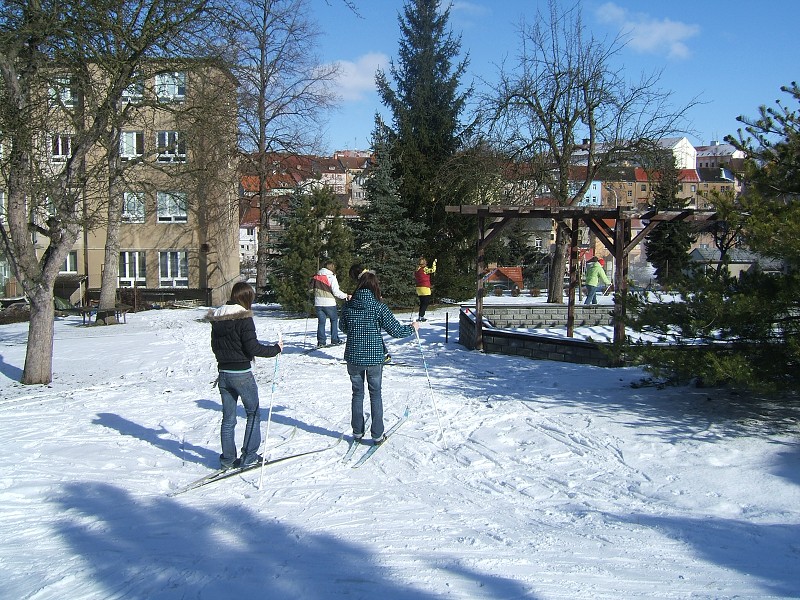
(60, 147)
(132, 268)
(537, 243)
(171, 87)
(131, 145)
(70, 263)
(134, 92)
(173, 269)
(171, 207)
(63, 93)
(171, 147)
(133, 207)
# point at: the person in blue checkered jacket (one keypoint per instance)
(364, 316)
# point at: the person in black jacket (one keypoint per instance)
(235, 345)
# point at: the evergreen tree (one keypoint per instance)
(314, 232)
(426, 106)
(741, 332)
(387, 237)
(668, 245)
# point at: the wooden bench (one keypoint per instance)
(120, 313)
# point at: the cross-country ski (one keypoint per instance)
(225, 474)
(375, 447)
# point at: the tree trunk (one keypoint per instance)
(108, 282)
(39, 355)
(555, 290)
(262, 253)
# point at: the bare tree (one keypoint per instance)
(146, 37)
(563, 105)
(283, 91)
(53, 115)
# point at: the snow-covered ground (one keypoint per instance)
(553, 481)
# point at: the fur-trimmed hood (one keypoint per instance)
(228, 312)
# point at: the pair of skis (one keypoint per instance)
(374, 448)
(221, 474)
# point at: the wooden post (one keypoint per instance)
(573, 277)
(621, 226)
(479, 294)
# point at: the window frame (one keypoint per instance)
(170, 146)
(134, 93)
(137, 145)
(171, 87)
(138, 266)
(63, 92)
(59, 154)
(171, 207)
(70, 263)
(173, 260)
(137, 199)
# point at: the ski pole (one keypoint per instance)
(269, 415)
(433, 400)
(305, 332)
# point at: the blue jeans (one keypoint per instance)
(373, 375)
(591, 294)
(233, 386)
(323, 314)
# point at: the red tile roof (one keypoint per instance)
(512, 273)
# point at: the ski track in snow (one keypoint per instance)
(557, 481)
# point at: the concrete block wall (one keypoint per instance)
(542, 316)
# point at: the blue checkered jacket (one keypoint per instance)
(363, 318)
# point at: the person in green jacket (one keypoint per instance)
(364, 316)
(594, 274)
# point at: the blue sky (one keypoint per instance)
(732, 56)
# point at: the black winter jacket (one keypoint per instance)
(233, 338)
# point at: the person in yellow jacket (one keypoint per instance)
(422, 278)
(595, 273)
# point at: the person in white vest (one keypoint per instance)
(326, 291)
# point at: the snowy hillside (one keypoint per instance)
(554, 481)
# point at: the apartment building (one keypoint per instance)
(718, 154)
(176, 175)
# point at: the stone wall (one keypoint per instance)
(533, 345)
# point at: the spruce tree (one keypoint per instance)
(668, 245)
(426, 106)
(387, 237)
(314, 232)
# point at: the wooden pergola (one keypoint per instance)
(611, 226)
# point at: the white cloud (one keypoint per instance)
(467, 15)
(649, 34)
(470, 9)
(357, 79)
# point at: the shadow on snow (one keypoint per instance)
(159, 548)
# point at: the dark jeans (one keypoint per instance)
(373, 375)
(233, 386)
(325, 313)
(423, 305)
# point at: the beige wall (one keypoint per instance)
(207, 178)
